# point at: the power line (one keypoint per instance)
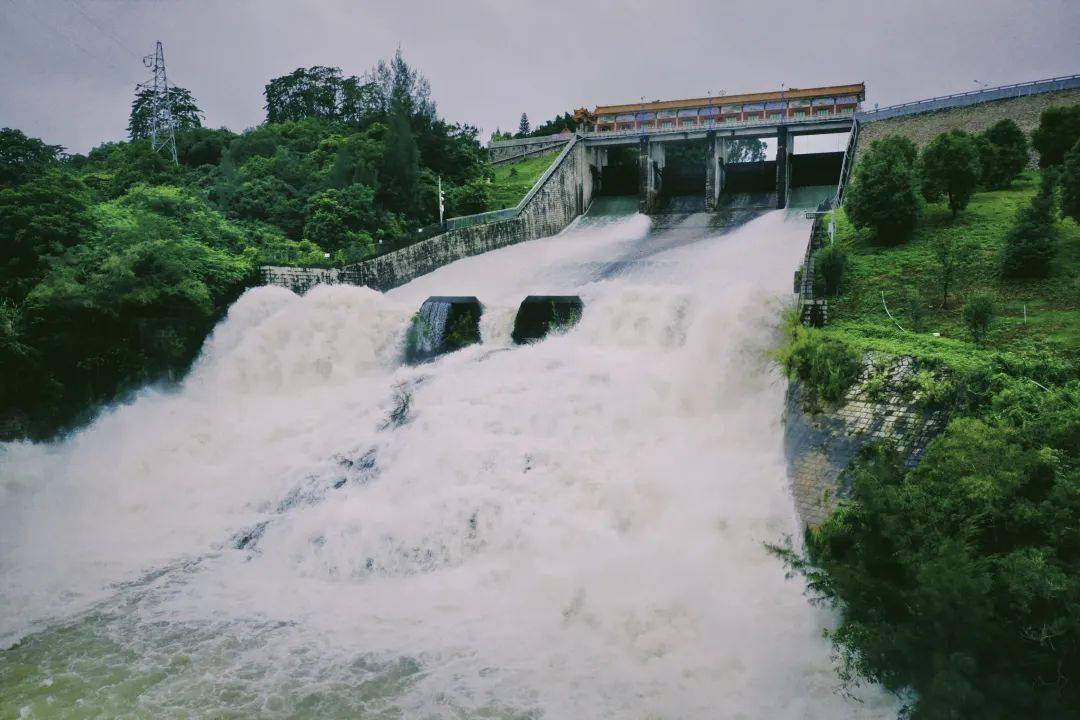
(50, 27)
(112, 36)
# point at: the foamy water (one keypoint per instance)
(307, 528)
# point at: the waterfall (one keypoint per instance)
(309, 527)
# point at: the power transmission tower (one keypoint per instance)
(162, 124)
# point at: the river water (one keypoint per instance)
(307, 528)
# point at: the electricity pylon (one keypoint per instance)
(162, 123)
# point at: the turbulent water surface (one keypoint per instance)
(308, 528)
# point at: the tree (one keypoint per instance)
(556, 125)
(400, 171)
(749, 150)
(395, 85)
(185, 112)
(960, 579)
(313, 92)
(953, 258)
(1070, 184)
(523, 125)
(38, 220)
(337, 218)
(1058, 131)
(22, 157)
(882, 194)
(1003, 153)
(830, 263)
(978, 315)
(950, 165)
(1030, 245)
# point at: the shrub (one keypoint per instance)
(1058, 131)
(916, 310)
(960, 579)
(950, 166)
(929, 391)
(1070, 184)
(954, 257)
(1030, 245)
(828, 367)
(1003, 153)
(978, 315)
(830, 262)
(882, 195)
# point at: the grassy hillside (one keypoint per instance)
(513, 180)
(1052, 321)
(958, 579)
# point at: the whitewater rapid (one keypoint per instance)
(309, 528)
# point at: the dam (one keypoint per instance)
(311, 527)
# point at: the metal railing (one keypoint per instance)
(972, 97)
(846, 164)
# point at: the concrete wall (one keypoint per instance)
(922, 128)
(502, 151)
(564, 195)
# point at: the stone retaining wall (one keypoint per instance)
(820, 446)
(924, 127)
(505, 150)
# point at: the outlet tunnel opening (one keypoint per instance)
(619, 173)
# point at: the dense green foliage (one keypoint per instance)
(115, 265)
(1003, 154)
(958, 582)
(978, 313)
(961, 579)
(882, 195)
(558, 124)
(830, 262)
(1058, 132)
(1031, 245)
(826, 367)
(186, 114)
(22, 157)
(950, 167)
(1070, 184)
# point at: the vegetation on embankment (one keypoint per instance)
(958, 580)
(115, 265)
(511, 182)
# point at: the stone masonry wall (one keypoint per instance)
(884, 404)
(564, 196)
(922, 128)
(505, 150)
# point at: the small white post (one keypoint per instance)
(440, 201)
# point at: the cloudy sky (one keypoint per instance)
(68, 67)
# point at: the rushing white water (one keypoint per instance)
(308, 528)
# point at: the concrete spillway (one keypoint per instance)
(569, 528)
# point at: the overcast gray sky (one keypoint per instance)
(68, 67)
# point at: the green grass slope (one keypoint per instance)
(512, 181)
(1034, 317)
